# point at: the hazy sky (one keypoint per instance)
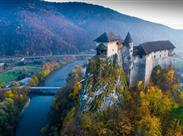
(167, 12)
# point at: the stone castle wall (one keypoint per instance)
(137, 71)
(142, 67)
(154, 59)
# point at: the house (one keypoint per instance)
(137, 61)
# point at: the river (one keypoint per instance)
(35, 115)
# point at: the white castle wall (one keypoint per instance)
(152, 60)
(148, 68)
(112, 48)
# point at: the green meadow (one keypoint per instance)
(16, 71)
(178, 64)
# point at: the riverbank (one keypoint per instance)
(21, 113)
(56, 67)
(35, 115)
(54, 70)
(25, 106)
(47, 69)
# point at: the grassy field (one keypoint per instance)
(27, 68)
(13, 74)
(178, 65)
(8, 76)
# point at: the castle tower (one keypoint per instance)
(129, 43)
(108, 45)
(129, 60)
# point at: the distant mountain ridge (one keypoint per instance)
(40, 28)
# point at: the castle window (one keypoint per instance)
(103, 52)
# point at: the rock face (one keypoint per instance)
(104, 85)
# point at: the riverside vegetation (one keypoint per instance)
(47, 68)
(12, 102)
(102, 104)
(11, 105)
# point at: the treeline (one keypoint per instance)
(11, 105)
(47, 68)
(156, 110)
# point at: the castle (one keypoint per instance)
(137, 61)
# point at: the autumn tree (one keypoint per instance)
(11, 105)
(165, 79)
(2, 85)
(154, 107)
(33, 81)
(175, 122)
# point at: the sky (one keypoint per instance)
(167, 12)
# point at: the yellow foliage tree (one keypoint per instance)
(9, 93)
(170, 74)
(125, 127)
(33, 81)
(154, 106)
(150, 126)
(174, 129)
(156, 102)
(76, 89)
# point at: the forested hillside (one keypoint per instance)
(33, 27)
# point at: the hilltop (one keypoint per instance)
(41, 28)
(103, 104)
